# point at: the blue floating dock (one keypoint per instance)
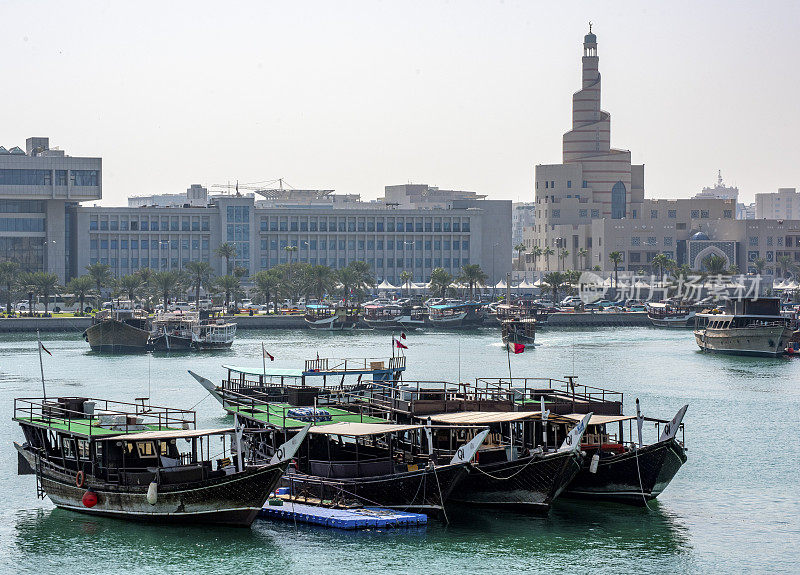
(361, 518)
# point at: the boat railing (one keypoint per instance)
(342, 365)
(528, 388)
(72, 414)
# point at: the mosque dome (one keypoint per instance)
(700, 236)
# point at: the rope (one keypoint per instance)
(441, 497)
(201, 401)
(520, 470)
(641, 488)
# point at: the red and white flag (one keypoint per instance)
(266, 354)
(402, 335)
(518, 348)
(398, 344)
(44, 349)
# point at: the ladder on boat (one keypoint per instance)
(40, 492)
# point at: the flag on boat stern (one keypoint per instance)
(518, 348)
(265, 353)
(398, 344)
(44, 349)
(402, 335)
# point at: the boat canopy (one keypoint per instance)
(482, 417)
(356, 429)
(171, 434)
(274, 372)
(599, 419)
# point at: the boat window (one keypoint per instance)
(145, 449)
(98, 449)
(83, 449)
(69, 447)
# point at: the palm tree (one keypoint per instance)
(321, 280)
(536, 252)
(290, 250)
(80, 287)
(227, 251)
(616, 258)
(229, 285)
(347, 277)
(555, 280)
(784, 262)
(714, 264)
(760, 264)
(472, 275)
(165, 282)
(27, 282)
(547, 252)
(733, 270)
(101, 276)
(563, 257)
(44, 284)
(659, 262)
(582, 253)
(520, 249)
(130, 285)
(266, 283)
(199, 275)
(364, 278)
(405, 278)
(441, 280)
(9, 274)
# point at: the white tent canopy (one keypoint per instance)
(384, 285)
(525, 284)
(501, 285)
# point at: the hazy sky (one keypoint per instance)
(358, 95)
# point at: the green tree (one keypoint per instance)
(733, 270)
(101, 276)
(715, 264)
(472, 275)
(43, 284)
(547, 252)
(760, 264)
(536, 252)
(9, 275)
(289, 251)
(440, 281)
(166, 283)
(582, 253)
(616, 258)
(364, 278)
(229, 285)
(226, 251)
(784, 262)
(130, 286)
(266, 283)
(199, 276)
(520, 249)
(320, 280)
(659, 263)
(555, 280)
(348, 278)
(563, 257)
(80, 288)
(405, 279)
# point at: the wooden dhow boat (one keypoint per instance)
(519, 331)
(174, 331)
(141, 462)
(330, 318)
(457, 315)
(119, 330)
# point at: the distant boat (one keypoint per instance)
(174, 331)
(746, 327)
(393, 316)
(329, 317)
(119, 330)
(673, 314)
(519, 330)
(215, 331)
(457, 314)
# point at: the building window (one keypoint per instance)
(653, 214)
(672, 214)
(636, 241)
(82, 177)
(556, 213)
(635, 257)
(680, 226)
(546, 184)
(582, 213)
(727, 214)
(595, 213)
(569, 183)
(667, 241)
(770, 240)
(618, 201)
(652, 241)
(704, 214)
(695, 214)
(754, 240)
(585, 184)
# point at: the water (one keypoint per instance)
(732, 507)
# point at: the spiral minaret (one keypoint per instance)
(607, 171)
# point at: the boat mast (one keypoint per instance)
(41, 365)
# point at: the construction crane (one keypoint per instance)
(264, 188)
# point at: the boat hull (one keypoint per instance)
(331, 324)
(765, 341)
(233, 500)
(422, 490)
(461, 320)
(633, 477)
(675, 322)
(114, 336)
(164, 342)
(527, 484)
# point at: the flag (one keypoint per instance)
(266, 354)
(402, 335)
(44, 349)
(399, 345)
(518, 348)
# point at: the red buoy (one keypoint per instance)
(89, 499)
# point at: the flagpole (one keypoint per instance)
(41, 365)
(264, 357)
(508, 352)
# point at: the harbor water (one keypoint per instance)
(733, 507)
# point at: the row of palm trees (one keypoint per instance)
(546, 252)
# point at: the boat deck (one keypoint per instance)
(276, 414)
(350, 519)
(88, 427)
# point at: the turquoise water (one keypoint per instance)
(732, 508)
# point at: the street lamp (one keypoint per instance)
(494, 280)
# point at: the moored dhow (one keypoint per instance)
(141, 462)
(673, 314)
(330, 317)
(746, 327)
(457, 315)
(119, 330)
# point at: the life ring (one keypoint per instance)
(80, 477)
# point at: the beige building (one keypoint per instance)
(783, 204)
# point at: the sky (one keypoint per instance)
(354, 96)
